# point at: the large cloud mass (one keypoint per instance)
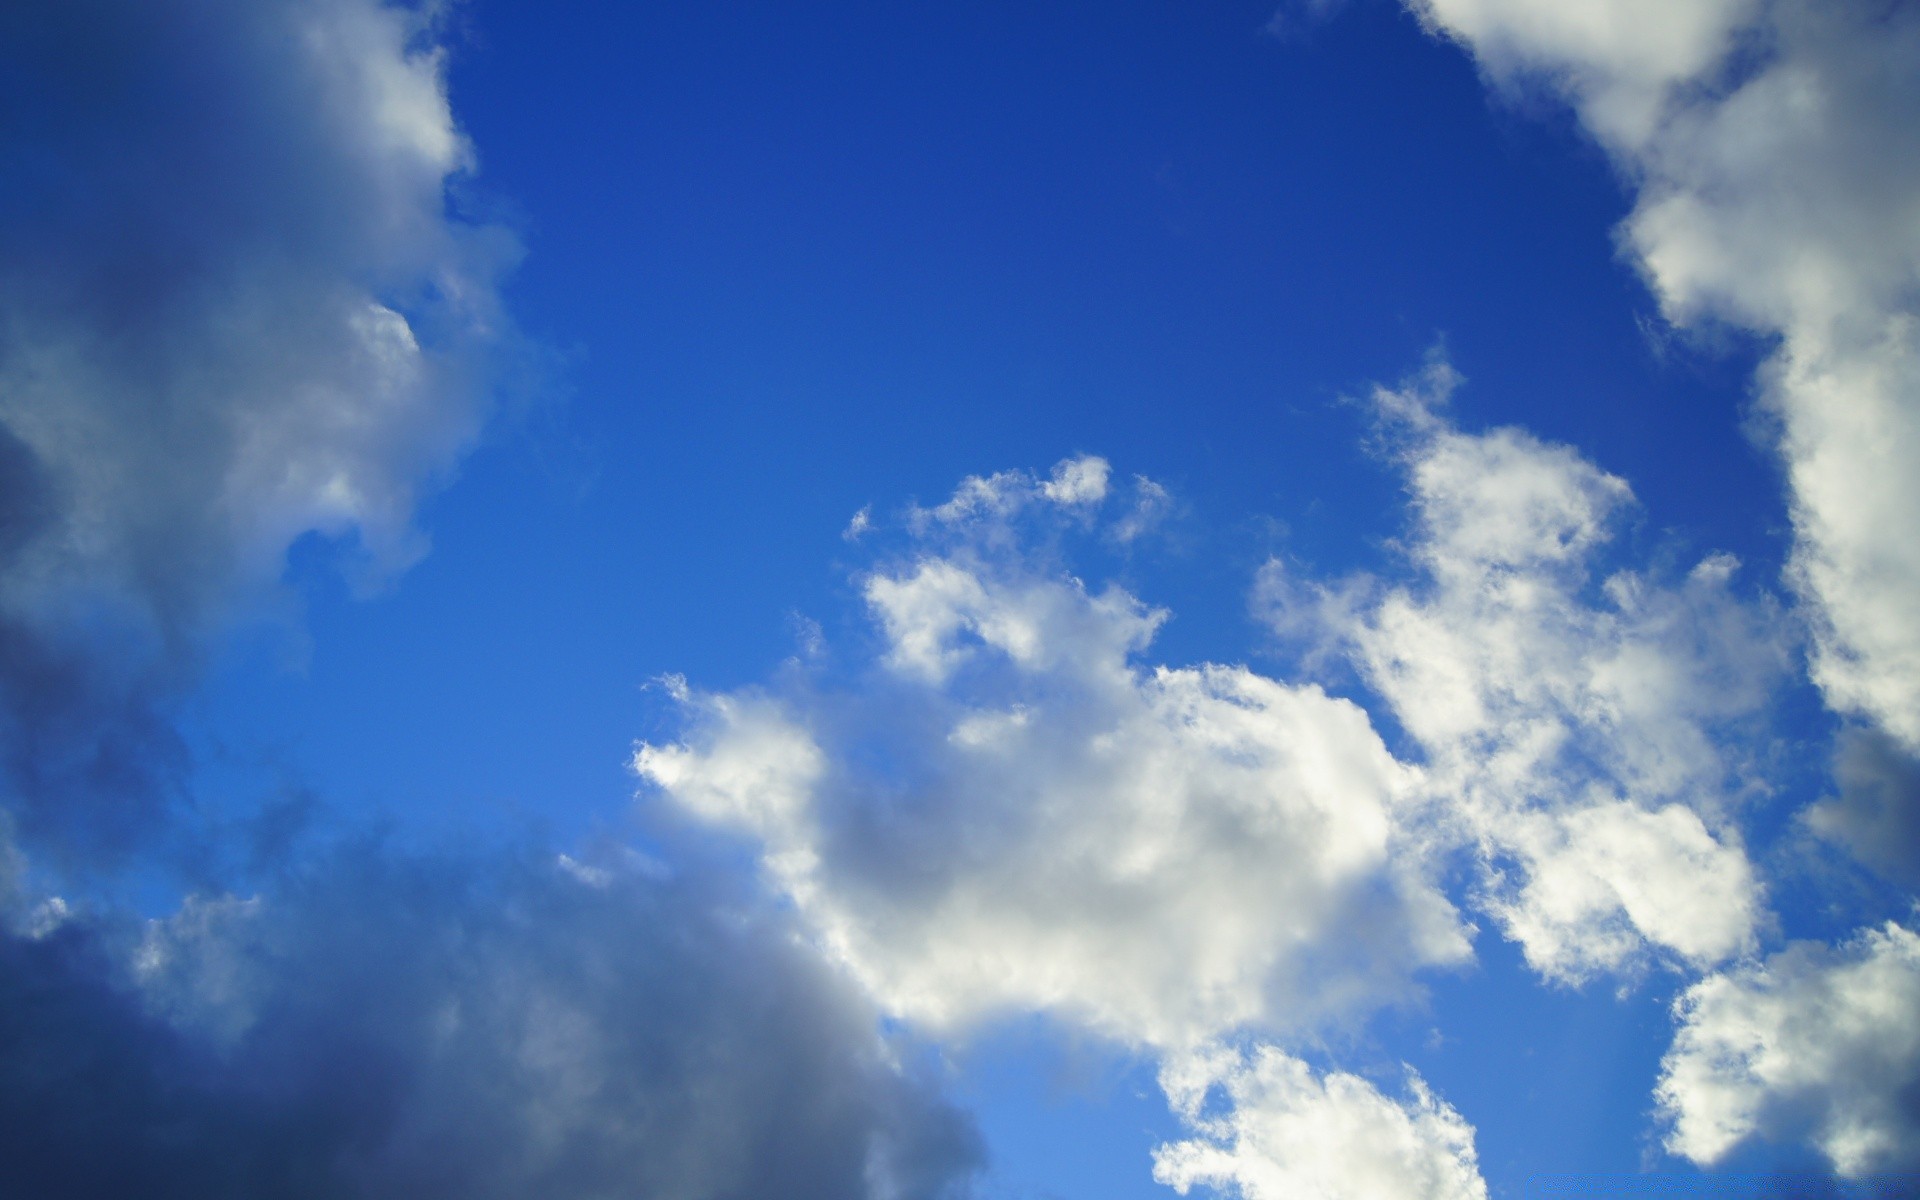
(238, 306)
(235, 307)
(1024, 816)
(382, 1025)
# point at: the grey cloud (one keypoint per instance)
(236, 307)
(1876, 815)
(381, 1025)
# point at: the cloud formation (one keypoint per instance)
(1019, 815)
(1582, 730)
(237, 306)
(1013, 813)
(383, 1025)
(1814, 1043)
(1777, 167)
(1286, 1133)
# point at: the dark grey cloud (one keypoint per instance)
(382, 1025)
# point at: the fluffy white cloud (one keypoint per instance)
(1021, 816)
(1575, 729)
(1289, 1135)
(1813, 1043)
(1778, 170)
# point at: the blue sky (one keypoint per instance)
(721, 600)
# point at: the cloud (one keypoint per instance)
(384, 1025)
(1013, 812)
(1010, 812)
(1876, 815)
(240, 305)
(1584, 733)
(1288, 1134)
(237, 306)
(1814, 1043)
(1777, 168)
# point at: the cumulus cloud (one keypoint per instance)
(1582, 732)
(236, 307)
(1777, 167)
(382, 1025)
(1013, 812)
(1814, 1043)
(1016, 813)
(1287, 1133)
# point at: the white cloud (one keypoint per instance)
(1576, 730)
(1778, 173)
(1289, 1135)
(1021, 816)
(1814, 1043)
(1078, 481)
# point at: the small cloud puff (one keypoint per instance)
(1289, 1133)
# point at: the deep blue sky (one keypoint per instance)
(928, 601)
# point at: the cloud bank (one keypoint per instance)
(1775, 163)
(240, 305)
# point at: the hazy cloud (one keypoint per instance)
(1876, 815)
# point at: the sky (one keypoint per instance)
(1285, 601)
